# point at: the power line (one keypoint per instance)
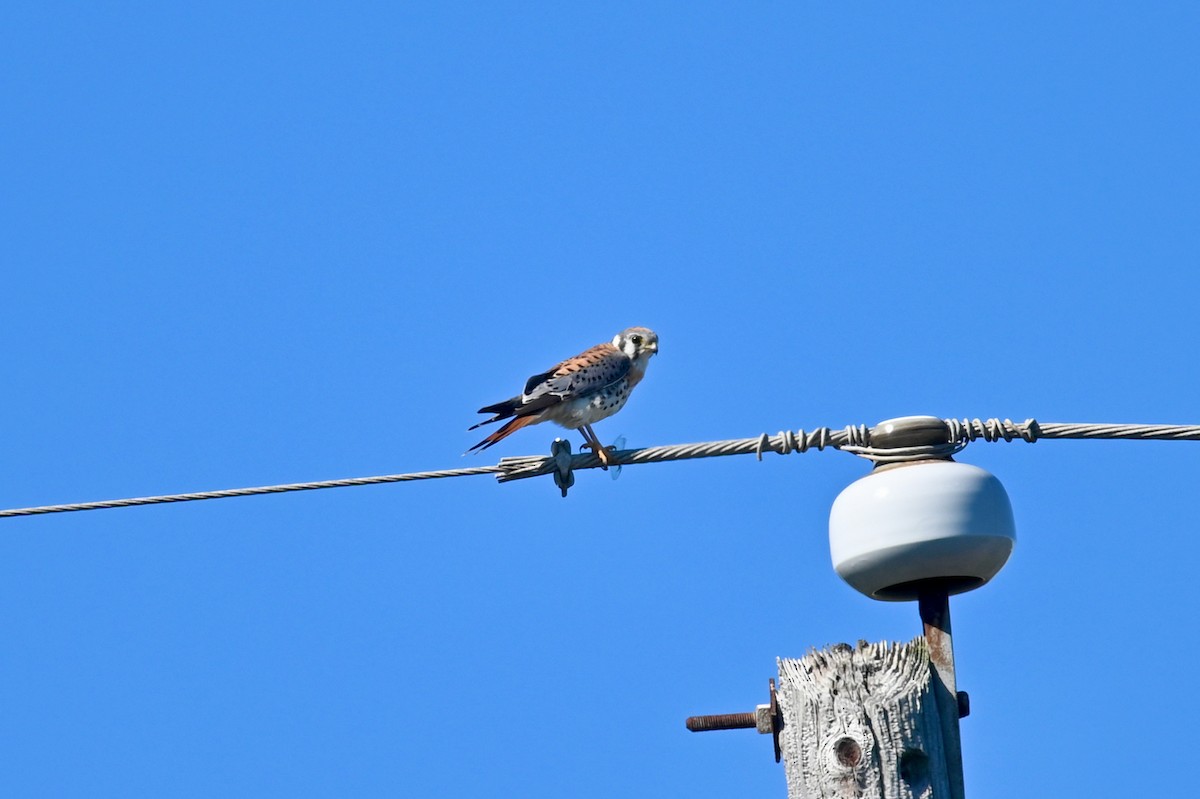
(246, 492)
(856, 440)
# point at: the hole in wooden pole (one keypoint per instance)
(914, 766)
(848, 752)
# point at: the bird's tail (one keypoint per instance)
(502, 410)
(504, 432)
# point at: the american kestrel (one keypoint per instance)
(579, 391)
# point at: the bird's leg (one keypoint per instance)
(604, 452)
(593, 443)
(587, 441)
(589, 438)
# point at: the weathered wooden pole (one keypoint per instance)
(863, 722)
(880, 721)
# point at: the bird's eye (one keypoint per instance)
(636, 339)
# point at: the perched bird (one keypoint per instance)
(579, 391)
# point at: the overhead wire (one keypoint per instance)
(853, 439)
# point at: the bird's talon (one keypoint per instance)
(600, 453)
(605, 456)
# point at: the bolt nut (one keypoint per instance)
(764, 720)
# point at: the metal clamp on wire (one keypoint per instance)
(564, 478)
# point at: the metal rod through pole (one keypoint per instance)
(935, 616)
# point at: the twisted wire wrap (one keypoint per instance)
(968, 430)
(902, 454)
(854, 439)
(785, 442)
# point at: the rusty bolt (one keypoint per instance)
(764, 718)
(724, 721)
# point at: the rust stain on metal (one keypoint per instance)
(767, 719)
(935, 616)
(724, 721)
(939, 640)
(941, 653)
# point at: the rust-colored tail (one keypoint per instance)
(504, 432)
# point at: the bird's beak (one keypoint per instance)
(653, 347)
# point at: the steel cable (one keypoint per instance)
(853, 439)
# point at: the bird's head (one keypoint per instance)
(639, 343)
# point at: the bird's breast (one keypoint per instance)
(592, 408)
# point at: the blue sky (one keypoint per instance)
(248, 243)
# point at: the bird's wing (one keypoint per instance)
(588, 372)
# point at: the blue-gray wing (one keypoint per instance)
(588, 372)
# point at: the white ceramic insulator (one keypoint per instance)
(933, 525)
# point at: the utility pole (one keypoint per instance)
(863, 721)
(882, 720)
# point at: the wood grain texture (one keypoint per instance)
(862, 722)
